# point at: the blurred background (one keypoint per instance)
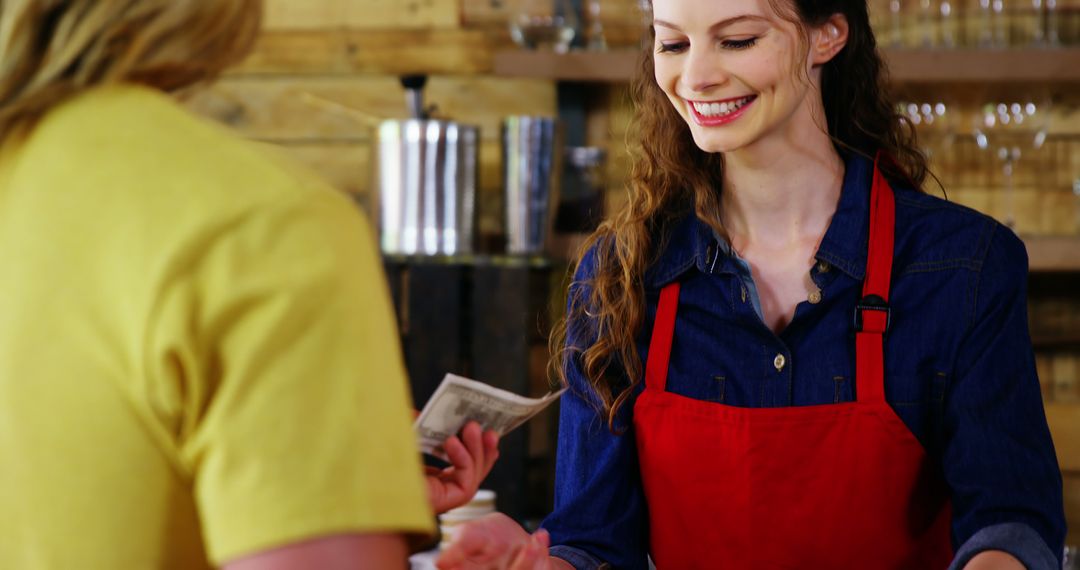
(485, 138)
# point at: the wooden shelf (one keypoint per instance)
(1053, 253)
(1056, 341)
(906, 66)
(598, 67)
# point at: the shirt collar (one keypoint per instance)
(689, 242)
(844, 243)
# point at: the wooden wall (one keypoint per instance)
(325, 71)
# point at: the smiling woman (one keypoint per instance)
(753, 324)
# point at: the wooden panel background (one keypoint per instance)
(324, 72)
(361, 14)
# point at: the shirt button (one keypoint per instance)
(815, 297)
(823, 267)
(779, 362)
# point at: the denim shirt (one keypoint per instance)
(960, 373)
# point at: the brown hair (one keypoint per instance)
(53, 49)
(671, 177)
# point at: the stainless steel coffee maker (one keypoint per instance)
(426, 177)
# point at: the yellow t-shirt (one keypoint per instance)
(198, 358)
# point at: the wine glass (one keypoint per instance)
(594, 36)
(949, 23)
(543, 24)
(926, 27)
(896, 23)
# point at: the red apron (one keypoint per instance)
(830, 486)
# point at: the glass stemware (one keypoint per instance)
(896, 24)
(594, 36)
(543, 24)
(1000, 24)
(926, 21)
(949, 23)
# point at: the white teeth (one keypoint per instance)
(713, 109)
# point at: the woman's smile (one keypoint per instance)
(716, 113)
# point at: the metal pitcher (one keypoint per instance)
(426, 176)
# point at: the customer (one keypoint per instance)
(198, 363)
(801, 360)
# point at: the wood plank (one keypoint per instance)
(347, 166)
(1064, 420)
(978, 65)
(610, 66)
(906, 66)
(1053, 253)
(293, 109)
(343, 51)
(360, 14)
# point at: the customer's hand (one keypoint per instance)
(471, 457)
(496, 542)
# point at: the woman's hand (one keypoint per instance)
(496, 542)
(471, 459)
(993, 560)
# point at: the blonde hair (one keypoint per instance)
(53, 49)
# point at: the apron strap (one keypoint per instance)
(872, 314)
(656, 364)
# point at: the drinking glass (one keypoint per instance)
(594, 37)
(985, 24)
(543, 24)
(1053, 36)
(1000, 23)
(1035, 23)
(949, 23)
(896, 23)
(926, 24)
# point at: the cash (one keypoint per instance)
(458, 400)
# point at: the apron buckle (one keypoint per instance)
(872, 303)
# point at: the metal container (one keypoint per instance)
(426, 176)
(532, 169)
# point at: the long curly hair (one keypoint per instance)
(670, 177)
(53, 49)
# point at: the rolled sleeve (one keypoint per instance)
(577, 558)
(1019, 540)
(998, 457)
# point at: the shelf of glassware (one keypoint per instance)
(1058, 65)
